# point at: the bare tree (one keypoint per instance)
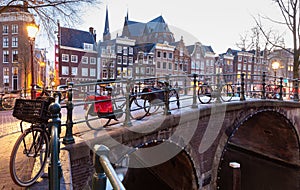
(290, 11)
(47, 12)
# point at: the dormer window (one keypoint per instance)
(88, 46)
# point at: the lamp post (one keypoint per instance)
(275, 67)
(32, 30)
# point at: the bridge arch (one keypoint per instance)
(176, 173)
(264, 143)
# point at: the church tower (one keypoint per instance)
(106, 33)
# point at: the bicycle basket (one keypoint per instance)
(32, 111)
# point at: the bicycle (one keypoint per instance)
(206, 92)
(32, 148)
(102, 108)
(154, 97)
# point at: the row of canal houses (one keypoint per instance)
(146, 50)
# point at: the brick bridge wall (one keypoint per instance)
(202, 133)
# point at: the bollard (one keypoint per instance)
(127, 122)
(242, 97)
(166, 96)
(54, 168)
(69, 139)
(185, 86)
(236, 175)
(263, 86)
(280, 88)
(195, 105)
(296, 87)
(104, 168)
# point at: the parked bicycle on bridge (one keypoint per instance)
(102, 106)
(207, 92)
(154, 96)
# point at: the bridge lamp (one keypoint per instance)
(32, 30)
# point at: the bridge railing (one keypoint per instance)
(186, 86)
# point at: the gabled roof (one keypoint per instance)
(139, 29)
(147, 48)
(75, 38)
(190, 48)
(208, 49)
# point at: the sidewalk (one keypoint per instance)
(7, 142)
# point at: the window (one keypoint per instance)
(14, 29)
(170, 55)
(158, 54)
(165, 55)
(5, 56)
(74, 71)
(84, 72)
(5, 41)
(125, 51)
(84, 60)
(148, 70)
(249, 67)
(92, 60)
(170, 66)
(130, 50)
(152, 71)
(92, 72)
(176, 66)
(65, 70)
(74, 58)
(245, 60)
(119, 60)
(88, 46)
(158, 64)
(65, 57)
(124, 60)
(5, 71)
(15, 56)
(14, 42)
(130, 60)
(164, 65)
(5, 29)
(239, 58)
(119, 49)
(129, 72)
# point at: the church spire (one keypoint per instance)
(106, 33)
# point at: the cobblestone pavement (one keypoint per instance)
(8, 124)
(9, 132)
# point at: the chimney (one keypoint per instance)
(91, 29)
(93, 32)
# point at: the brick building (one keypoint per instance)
(15, 72)
(76, 56)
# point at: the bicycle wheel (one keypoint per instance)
(227, 93)
(93, 121)
(8, 103)
(204, 94)
(151, 106)
(137, 109)
(174, 98)
(29, 156)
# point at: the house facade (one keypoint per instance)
(15, 72)
(76, 56)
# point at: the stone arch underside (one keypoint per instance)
(267, 147)
(176, 173)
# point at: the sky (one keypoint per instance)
(218, 24)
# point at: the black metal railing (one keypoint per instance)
(265, 87)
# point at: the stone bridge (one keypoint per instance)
(192, 148)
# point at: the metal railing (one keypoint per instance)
(185, 85)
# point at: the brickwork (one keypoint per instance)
(213, 127)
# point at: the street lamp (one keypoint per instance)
(275, 67)
(32, 30)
